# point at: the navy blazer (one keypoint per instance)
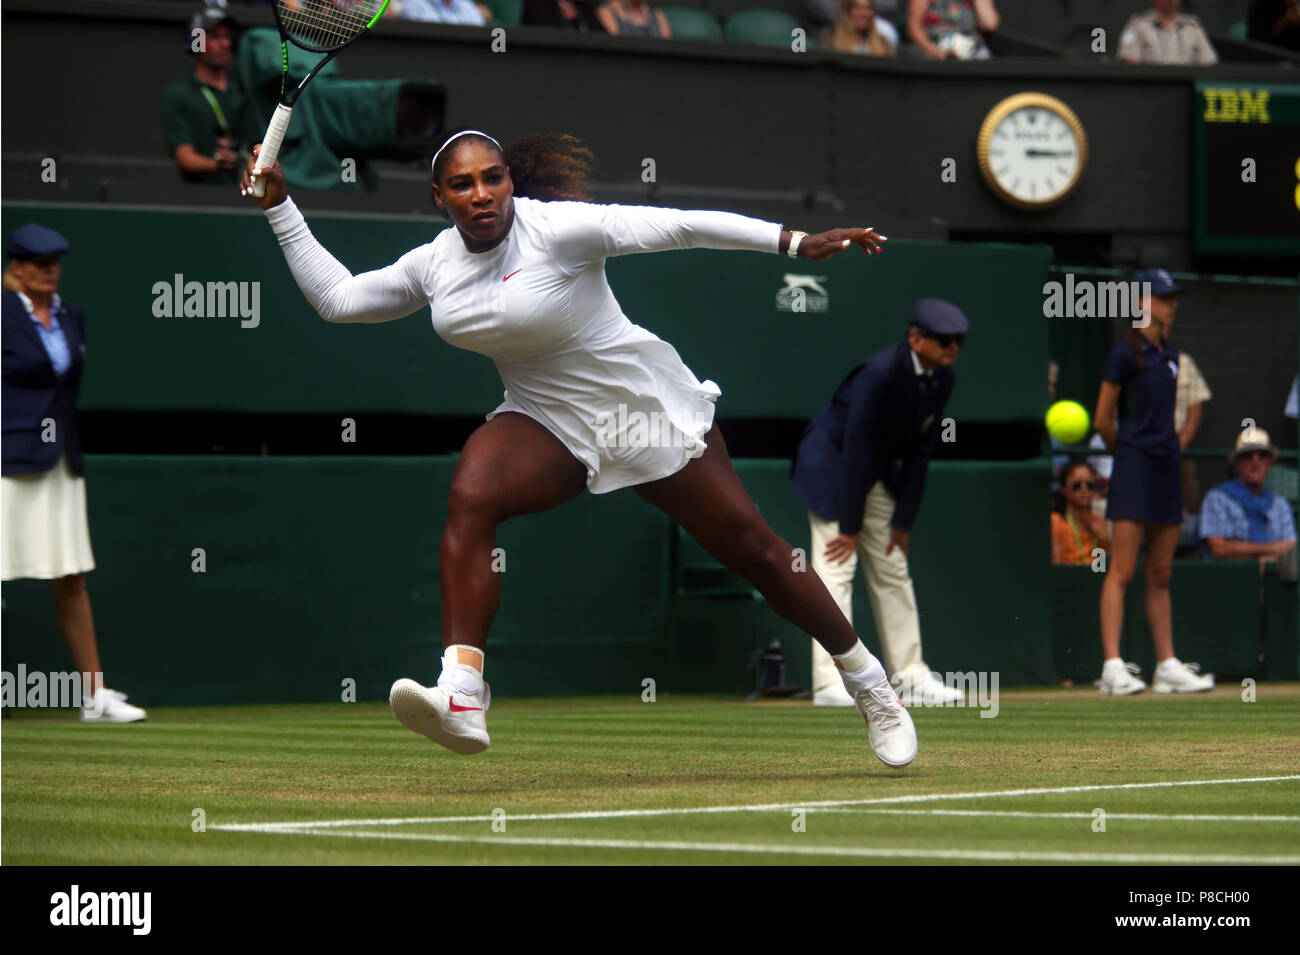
(881, 425)
(33, 392)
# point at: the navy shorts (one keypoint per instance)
(1143, 488)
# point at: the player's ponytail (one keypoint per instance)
(550, 166)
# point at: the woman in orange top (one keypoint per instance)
(1079, 530)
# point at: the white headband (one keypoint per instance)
(468, 132)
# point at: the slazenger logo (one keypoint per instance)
(803, 293)
(102, 908)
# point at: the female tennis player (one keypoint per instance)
(521, 279)
(1145, 490)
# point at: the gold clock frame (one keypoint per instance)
(1000, 112)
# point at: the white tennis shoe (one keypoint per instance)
(110, 706)
(1175, 676)
(889, 725)
(833, 695)
(448, 717)
(1120, 679)
(931, 692)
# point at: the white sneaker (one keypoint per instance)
(1120, 680)
(833, 695)
(110, 706)
(889, 725)
(930, 692)
(443, 714)
(1174, 676)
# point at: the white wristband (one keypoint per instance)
(795, 239)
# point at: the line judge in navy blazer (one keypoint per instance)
(860, 470)
(46, 533)
(35, 395)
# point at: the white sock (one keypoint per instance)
(1169, 664)
(859, 669)
(1112, 663)
(459, 676)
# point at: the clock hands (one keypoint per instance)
(1050, 153)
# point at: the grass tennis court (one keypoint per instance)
(680, 781)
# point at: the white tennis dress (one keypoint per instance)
(539, 305)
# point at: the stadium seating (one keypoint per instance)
(690, 24)
(1283, 480)
(506, 13)
(762, 28)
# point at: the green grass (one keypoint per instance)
(76, 794)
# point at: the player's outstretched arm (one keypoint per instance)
(584, 232)
(383, 295)
(823, 245)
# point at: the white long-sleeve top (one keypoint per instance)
(618, 397)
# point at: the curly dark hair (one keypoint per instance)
(548, 166)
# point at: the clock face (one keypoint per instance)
(1032, 151)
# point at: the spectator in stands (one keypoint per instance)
(45, 533)
(822, 14)
(577, 15)
(859, 30)
(462, 12)
(1276, 22)
(1242, 518)
(1192, 392)
(951, 29)
(633, 18)
(200, 114)
(1077, 529)
(1163, 35)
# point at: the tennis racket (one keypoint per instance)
(319, 26)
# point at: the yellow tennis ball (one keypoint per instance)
(1068, 422)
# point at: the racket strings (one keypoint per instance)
(327, 22)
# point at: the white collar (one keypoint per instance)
(916, 362)
(55, 304)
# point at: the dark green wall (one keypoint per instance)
(717, 308)
(320, 569)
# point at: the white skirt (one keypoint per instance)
(45, 532)
(627, 408)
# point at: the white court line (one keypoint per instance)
(281, 827)
(1142, 816)
(955, 855)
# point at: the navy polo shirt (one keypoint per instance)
(1146, 409)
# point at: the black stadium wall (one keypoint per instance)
(837, 139)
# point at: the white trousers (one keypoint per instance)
(889, 585)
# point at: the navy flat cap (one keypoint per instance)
(1162, 283)
(939, 317)
(34, 241)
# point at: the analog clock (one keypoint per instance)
(1032, 150)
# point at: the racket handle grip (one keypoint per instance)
(271, 143)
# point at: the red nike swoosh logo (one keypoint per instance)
(451, 702)
(515, 272)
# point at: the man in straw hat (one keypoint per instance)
(1242, 518)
